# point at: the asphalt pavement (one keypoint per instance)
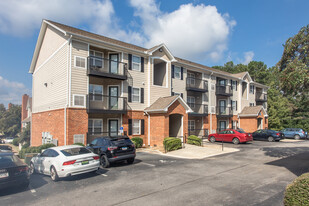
(255, 175)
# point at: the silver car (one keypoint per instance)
(65, 161)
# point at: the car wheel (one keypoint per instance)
(235, 141)
(270, 139)
(212, 139)
(53, 174)
(104, 161)
(31, 169)
(130, 161)
(297, 137)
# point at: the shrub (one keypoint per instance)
(138, 142)
(15, 141)
(172, 143)
(297, 192)
(38, 149)
(80, 144)
(26, 145)
(192, 139)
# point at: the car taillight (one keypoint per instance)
(69, 162)
(96, 157)
(303, 132)
(112, 148)
(278, 134)
(22, 169)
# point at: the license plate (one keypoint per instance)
(85, 162)
(124, 148)
(4, 175)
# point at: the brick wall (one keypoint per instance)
(50, 121)
(136, 115)
(77, 123)
(249, 124)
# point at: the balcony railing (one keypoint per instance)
(106, 104)
(261, 97)
(198, 109)
(196, 85)
(107, 68)
(224, 111)
(224, 90)
(199, 132)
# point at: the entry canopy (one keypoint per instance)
(252, 111)
(162, 104)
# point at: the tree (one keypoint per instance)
(25, 134)
(10, 121)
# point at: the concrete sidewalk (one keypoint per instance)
(193, 152)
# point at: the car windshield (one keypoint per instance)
(6, 160)
(5, 147)
(121, 141)
(240, 131)
(75, 151)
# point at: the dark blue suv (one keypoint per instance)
(295, 133)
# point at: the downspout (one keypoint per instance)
(69, 88)
(209, 108)
(148, 128)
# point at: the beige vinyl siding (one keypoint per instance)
(54, 74)
(251, 96)
(79, 78)
(53, 39)
(178, 85)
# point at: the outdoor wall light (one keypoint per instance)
(45, 84)
(160, 50)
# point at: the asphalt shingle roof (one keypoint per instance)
(161, 103)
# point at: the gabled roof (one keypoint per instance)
(163, 103)
(164, 47)
(240, 75)
(252, 111)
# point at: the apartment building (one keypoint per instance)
(86, 85)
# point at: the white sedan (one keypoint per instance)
(65, 161)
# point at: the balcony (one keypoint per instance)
(196, 85)
(260, 97)
(224, 90)
(107, 68)
(106, 104)
(224, 111)
(199, 132)
(198, 109)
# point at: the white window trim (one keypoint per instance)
(139, 126)
(191, 77)
(81, 58)
(190, 123)
(95, 56)
(139, 64)
(102, 91)
(139, 94)
(79, 95)
(251, 92)
(102, 128)
(234, 88)
(78, 142)
(175, 72)
(226, 124)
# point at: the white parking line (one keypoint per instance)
(32, 190)
(104, 175)
(151, 165)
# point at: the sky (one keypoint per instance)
(210, 32)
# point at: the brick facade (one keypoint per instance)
(77, 123)
(136, 115)
(250, 124)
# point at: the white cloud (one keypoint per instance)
(194, 32)
(11, 92)
(248, 57)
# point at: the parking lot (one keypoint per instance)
(256, 175)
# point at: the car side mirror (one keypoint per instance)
(39, 154)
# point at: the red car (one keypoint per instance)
(231, 135)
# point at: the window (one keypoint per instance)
(251, 104)
(80, 62)
(252, 89)
(222, 82)
(78, 138)
(96, 92)
(177, 72)
(191, 101)
(135, 94)
(136, 63)
(234, 105)
(79, 100)
(95, 126)
(191, 125)
(234, 85)
(191, 79)
(96, 59)
(234, 124)
(136, 126)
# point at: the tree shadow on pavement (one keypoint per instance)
(295, 159)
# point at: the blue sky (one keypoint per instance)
(210, 32)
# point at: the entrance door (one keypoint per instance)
(113, 97)
(259, 126)
(113, 127)
(222, 125)
(113, 63)
(222, 107)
